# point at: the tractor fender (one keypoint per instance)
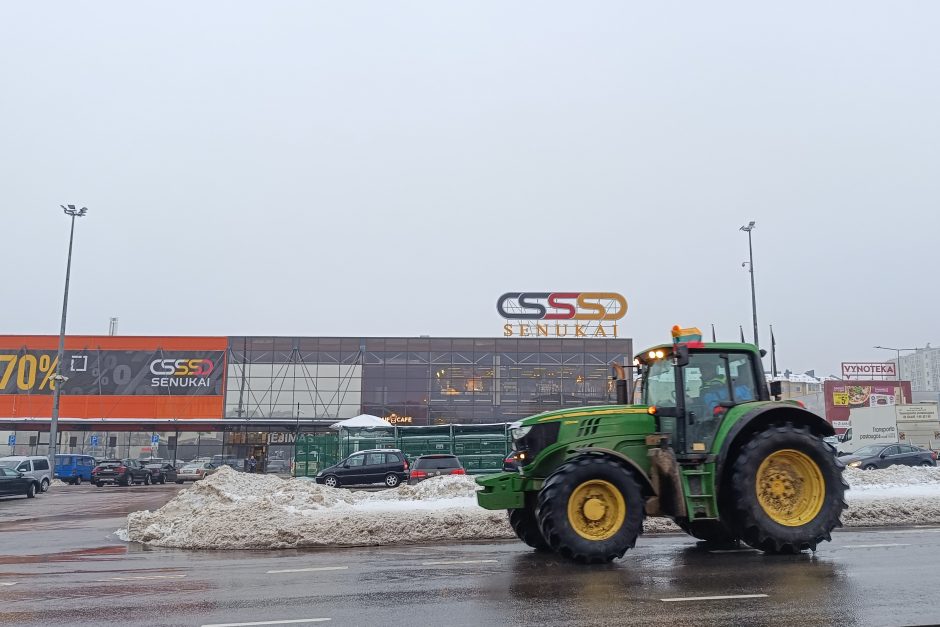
(759, 419)
(620, 457)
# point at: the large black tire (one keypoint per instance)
(31, 491)
(710, 531)
(526, 525)
(797, 478)
(596, 482)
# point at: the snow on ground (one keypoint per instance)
(58, 483)
(233, 510)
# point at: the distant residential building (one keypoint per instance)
(922, 369)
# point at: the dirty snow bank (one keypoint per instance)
(232, 510)
(57, 483)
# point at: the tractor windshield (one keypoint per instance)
(659, 384)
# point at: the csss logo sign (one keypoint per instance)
(534, 311)
(562, 306)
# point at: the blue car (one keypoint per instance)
(74, 469)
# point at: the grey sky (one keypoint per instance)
(392, 167)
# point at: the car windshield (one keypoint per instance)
(109, 463)
(866, 451)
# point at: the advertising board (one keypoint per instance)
(867, 370)
(113, 376)
(843, 396)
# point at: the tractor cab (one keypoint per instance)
(689, 386)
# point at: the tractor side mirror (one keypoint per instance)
(776, 388)
(681, 355)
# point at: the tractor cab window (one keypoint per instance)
(713, 381)
(659, 384)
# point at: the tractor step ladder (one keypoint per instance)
(698, 485)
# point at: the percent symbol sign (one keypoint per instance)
(48, 366)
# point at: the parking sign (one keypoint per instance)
(11, 441)
(155, 439)
(94, 440)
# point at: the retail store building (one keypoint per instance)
(185, 398)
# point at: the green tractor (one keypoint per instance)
(707, 446)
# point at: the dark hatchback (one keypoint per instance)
(160, 472)
(882, 455)
(428, 466)
(386, 466)
(14, 483)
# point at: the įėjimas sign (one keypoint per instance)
(561, 314)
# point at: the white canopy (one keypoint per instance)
(361, 421)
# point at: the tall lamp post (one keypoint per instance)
(747, 229)
(898, 351)
(59, 379)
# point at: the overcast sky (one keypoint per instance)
(391, 168)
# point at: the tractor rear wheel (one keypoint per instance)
(711, 531)
(591, 510)
(789, 491)
(526, 526)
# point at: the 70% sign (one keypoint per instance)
(29, 369)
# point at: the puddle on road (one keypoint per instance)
(113, 552)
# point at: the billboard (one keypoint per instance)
(114, 377)
(842, 396)
(867, 370)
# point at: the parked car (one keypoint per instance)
(235, 463)
(427, 466)
(33, 466)
(160, 471)
(387, 466)
(13, 483)
(884, 455)
(123, 472)
(195, 472)
(73, 469)
(279, 466)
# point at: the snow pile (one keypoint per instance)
(892, 477)
(57, 483)
(897, 495)
(237, 510)
(232, 510)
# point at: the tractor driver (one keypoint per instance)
(714, 386)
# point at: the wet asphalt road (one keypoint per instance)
(61, 565)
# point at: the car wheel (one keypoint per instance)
(147, 480)
(44, 486)
(179, 482)
(926, 463)
(78, 481)
(869, 467)
(31, 491)
(162, 479)
(392, 480)
(99, 484)
(331, 481)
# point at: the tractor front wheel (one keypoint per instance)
(789, 491)
(526, 525)
(591, 510)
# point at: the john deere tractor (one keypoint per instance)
(706, 446)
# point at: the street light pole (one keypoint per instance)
(59, 379)
(747, 229)
(898, 351)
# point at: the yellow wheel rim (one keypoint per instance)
(596, 510)
(790, 488)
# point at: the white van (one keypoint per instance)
(32, 466)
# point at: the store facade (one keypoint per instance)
(226, 398)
